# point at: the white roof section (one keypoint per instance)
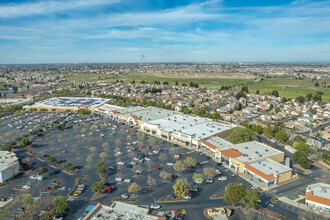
(7, 159)
(71, 102)
(218, 142)
(254, 150)
(269, 166)
(320, 189)
(152, 113)
(108, 108)
(121, 210)
(132, 110)
(197, 128)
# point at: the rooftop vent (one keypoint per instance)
(270, 168)
(259, 162)
(323, 190)
(250, 158)
(256, 152)
(266, 150)
(246, 147)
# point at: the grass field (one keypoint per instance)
(286, 87)
(289, 88)
(203, 82)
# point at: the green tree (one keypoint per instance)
(92, 149)
(89, 159)
(185, 109)
(198, 177)
(118, 142)
(179, 166)
(8, 134)
(209, 172)
(269, 131)
(240, 135)
(27, 199)
(66, 164)
(103, 155)
(250, 198)
(83, 130)
(180, 189)
(164, 175)
(25, 142)
(98, 187)
(281, 136)
(190, 162)
(139, 135)
(43, 170)
(234, 193)
(134, 188)
(60, 204)
(51, 159)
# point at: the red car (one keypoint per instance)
(156, 168)
(47, 188)
(140, 147)
(107, 189)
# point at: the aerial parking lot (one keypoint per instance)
(129, 156)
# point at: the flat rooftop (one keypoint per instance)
(320, 189)
(152, 113)
(197, 128)
(7, 159)
(218, 142)
(269, 166)
(71, 102)
(254, 150)
(133, 110)
(108, 108)
(119, 210)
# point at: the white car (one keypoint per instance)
(209, 181)
(127, 180)
(222, 178)
(132, 163)
(170, 164)
(151, 154)
(119, 153)
(218, 172)
(119, 179)
(129, 150)
(155, 206)
(125, 196)
(121, 163)
(254, 187)
(234, 174)
(26, 187)
(155, 151)
(147, 158)
(187, 197)
(138, 171)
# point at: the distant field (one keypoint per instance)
(289, 88)
(285, 87)
(201, 80)
(81, 77)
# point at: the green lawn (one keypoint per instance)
(84, 77)
(289, 88)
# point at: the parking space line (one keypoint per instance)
(205, 162)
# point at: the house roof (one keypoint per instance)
(209, 145)
(309, 196)
(134, 117)
(231, 153)
(268, 177)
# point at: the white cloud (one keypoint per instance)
(47, 7)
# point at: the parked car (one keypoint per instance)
(187, 197)
(218, 172)
(26, 187)
(155, 206)
(138, 171)
(47, 188)
(121, 163)
(193, 190)
(119, 179)
(170, 164)
(156, 168)
(222, 178)
(127, 180)
(209, 181)
(254, 187)
(125, 196)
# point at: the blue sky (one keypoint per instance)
(64, 31)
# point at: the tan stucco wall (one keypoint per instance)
(284, 177)
(278, 157)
